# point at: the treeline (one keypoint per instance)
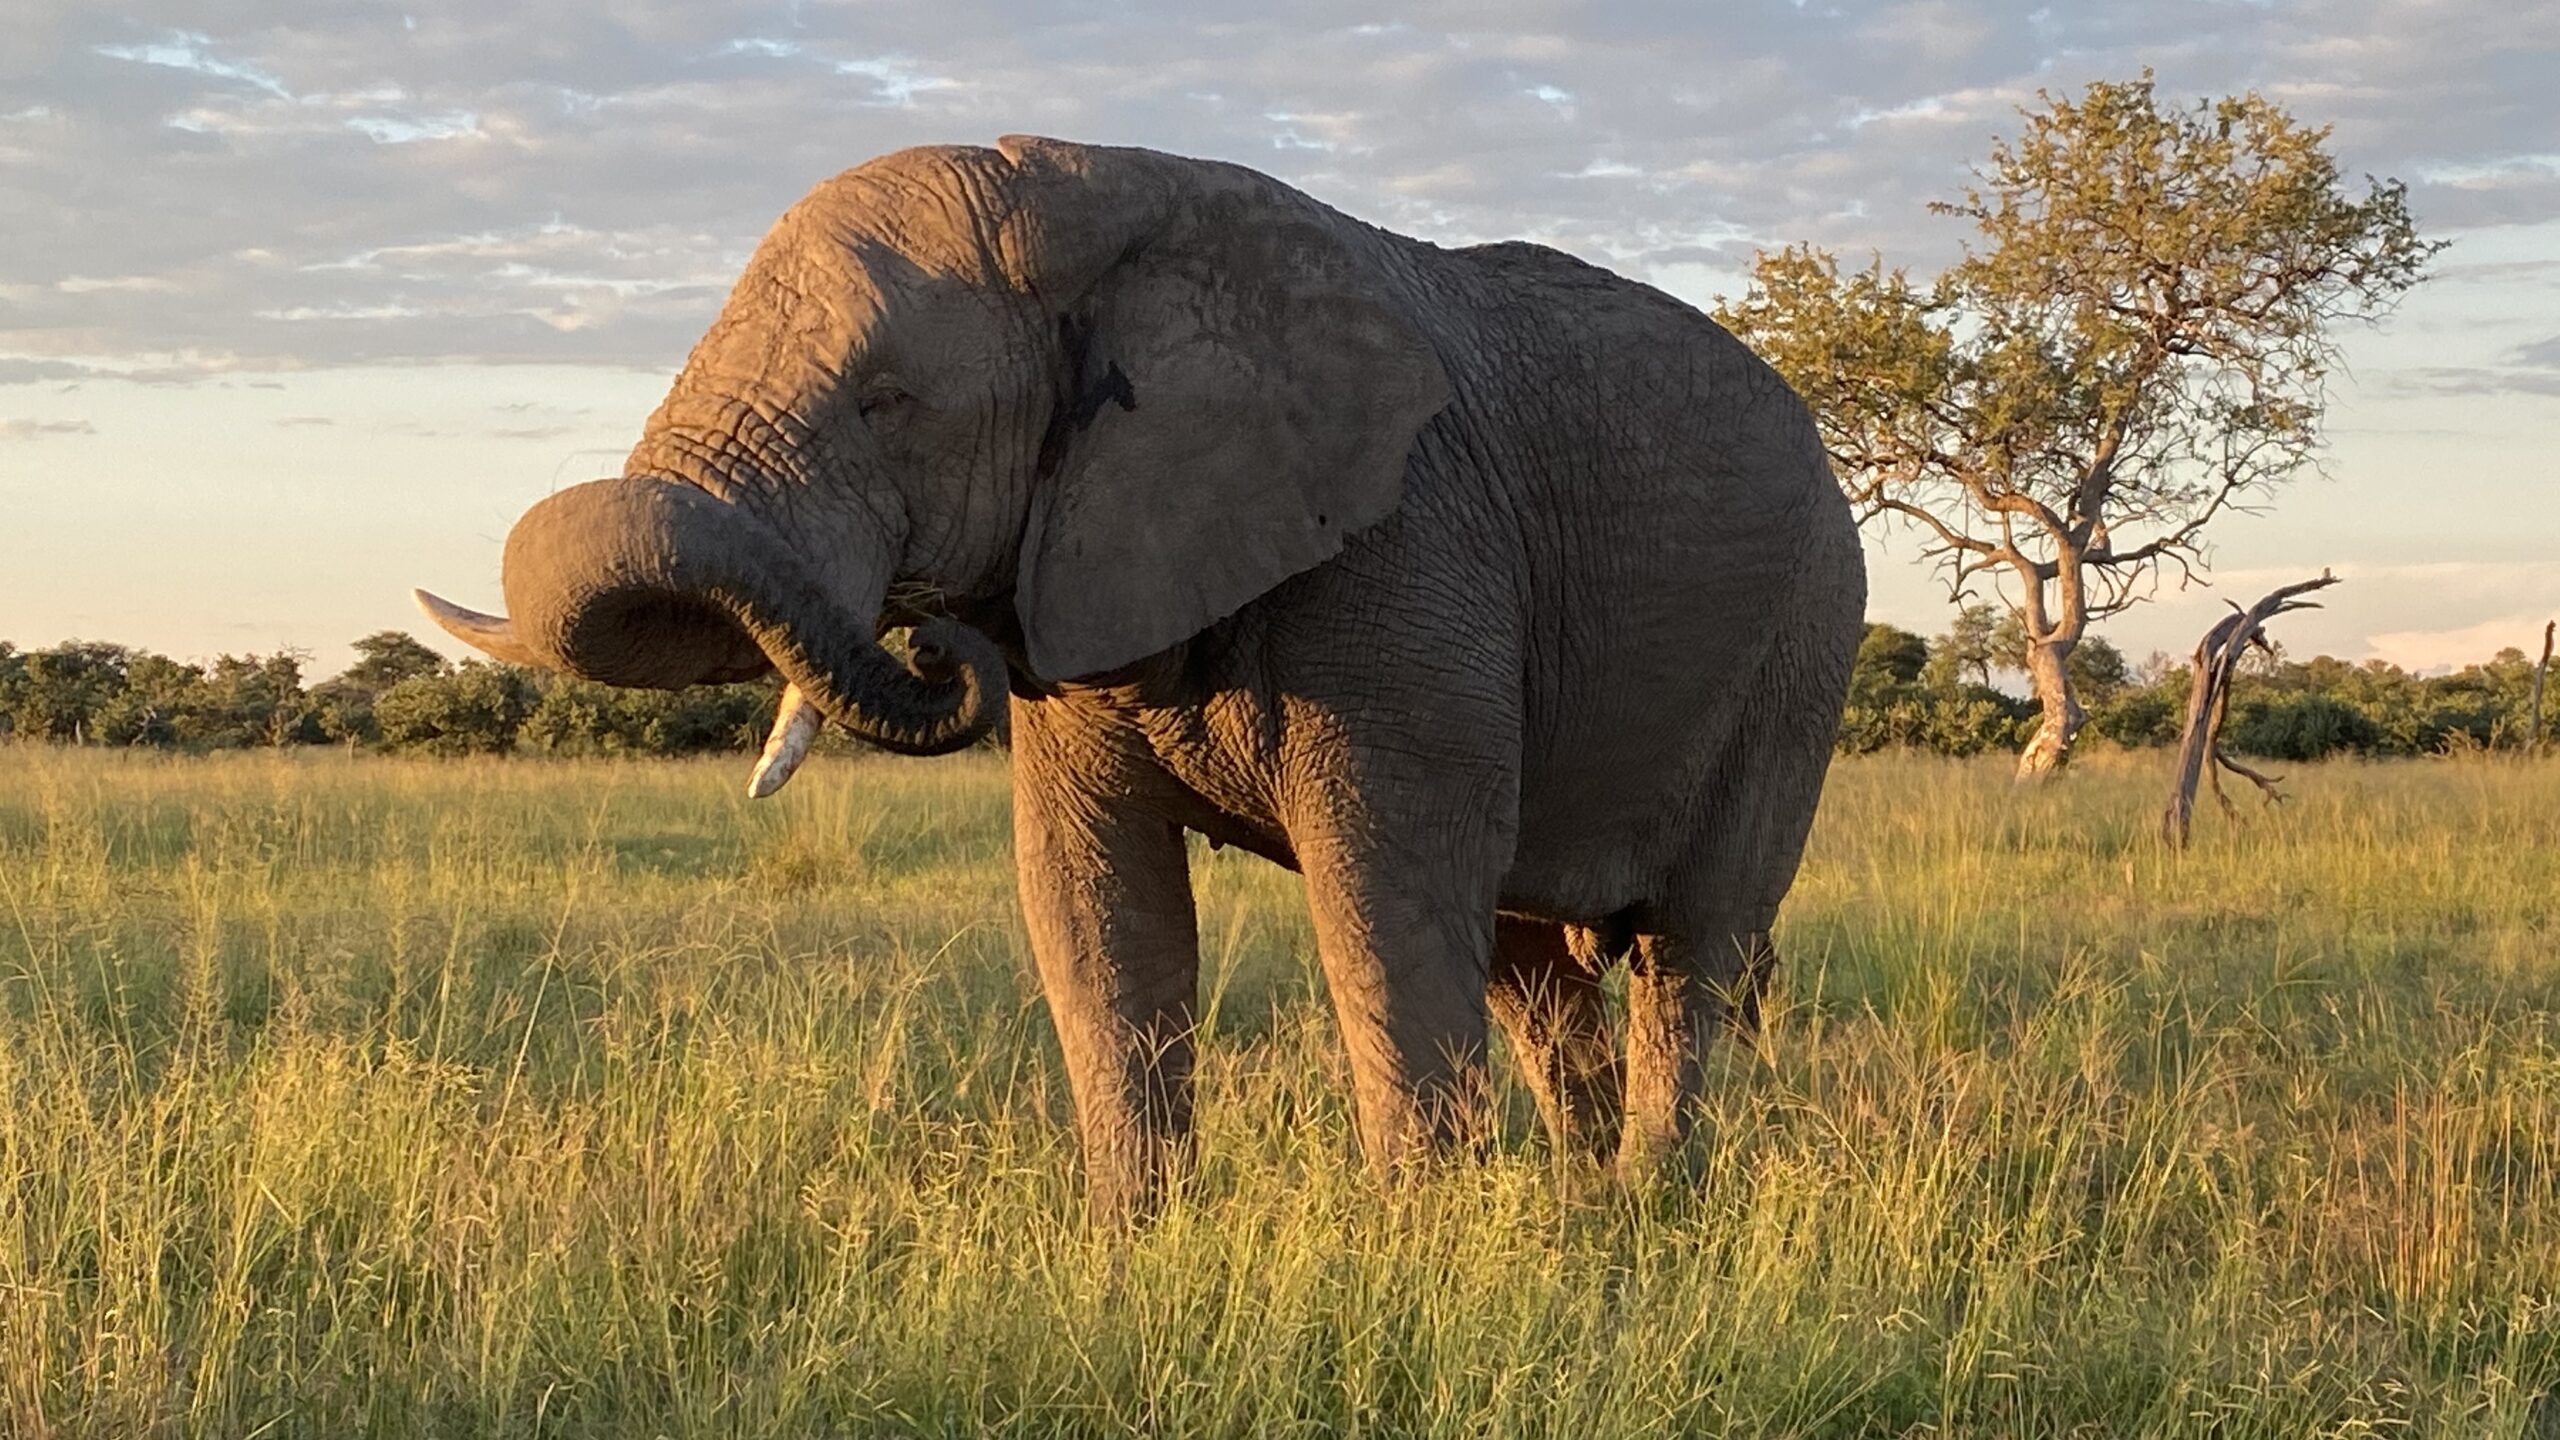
(1943, 694)
(1907, 692)
(398, 696)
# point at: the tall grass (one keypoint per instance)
(362, 1097)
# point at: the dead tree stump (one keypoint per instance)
(2533, 727)
(2217, 659)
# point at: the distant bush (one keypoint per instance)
(1910, 693)
(1906, 692)
(581, 717)
(1899, 700)
(2298, 727)
(398, 695)
(2139, 717)
(475, 708)
(1968, 722)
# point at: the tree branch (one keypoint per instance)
(2217, 658)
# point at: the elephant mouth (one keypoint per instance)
(659, 642)
(652, 583)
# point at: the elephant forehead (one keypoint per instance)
(928, 212)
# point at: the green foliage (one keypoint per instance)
(2395, 713)
(57, 694)
(250, 700)
(2143, 715)
(344, 705)
(1970, 650)
(1889, 659)
(387, 657)
(475, 708)
(149, 705)
(398, 695)
(581, 717)
(1904, 694)
(2137, 341)
(2303, 726)
(1971, 721)
(2098, 670)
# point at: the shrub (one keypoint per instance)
(581, 717)
(474, 709)
(2298, 727)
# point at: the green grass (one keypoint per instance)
(363, 1097)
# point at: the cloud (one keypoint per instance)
(184, 51)
(2477, 380)
(579, 182)
(410, 129)
(2425, 650)
(21, 370)
(40, 429)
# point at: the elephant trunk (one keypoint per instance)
(645, 582)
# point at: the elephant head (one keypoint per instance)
(1127, 392)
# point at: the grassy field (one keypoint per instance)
(347, 1096)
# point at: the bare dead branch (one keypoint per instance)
(2266, 783)
(2217, 659)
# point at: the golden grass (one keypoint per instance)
(348, 1096)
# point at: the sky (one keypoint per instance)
(301, 305)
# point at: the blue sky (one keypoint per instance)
(301, 305)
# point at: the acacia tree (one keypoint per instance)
(2136, 344)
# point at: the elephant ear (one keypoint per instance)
(1241, 393)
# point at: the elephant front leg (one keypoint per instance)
(1405, 931)
(1107, 899)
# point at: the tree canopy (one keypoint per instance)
(2136, 342)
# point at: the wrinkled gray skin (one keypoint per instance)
(1508, 601)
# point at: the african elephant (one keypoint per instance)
(1508, 601)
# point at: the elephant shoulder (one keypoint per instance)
(1544, 285)
(1525, 262)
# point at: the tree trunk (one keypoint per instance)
(2050, 747)
(2205, 704)
(2533, 727)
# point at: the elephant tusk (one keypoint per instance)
(795, 727)
(492, 634)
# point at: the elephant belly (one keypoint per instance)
(1628, 725)
(1603, 821)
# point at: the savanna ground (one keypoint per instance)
(349, 1096)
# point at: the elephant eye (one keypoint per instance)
(879, 398)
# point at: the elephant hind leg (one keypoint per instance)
(1682, 993)
(1703, 956)
(1549, 1004)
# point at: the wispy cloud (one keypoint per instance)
(42, 429)
(410, 129)
(184, 50)
(2475, 380)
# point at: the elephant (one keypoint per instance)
(1508, 601)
